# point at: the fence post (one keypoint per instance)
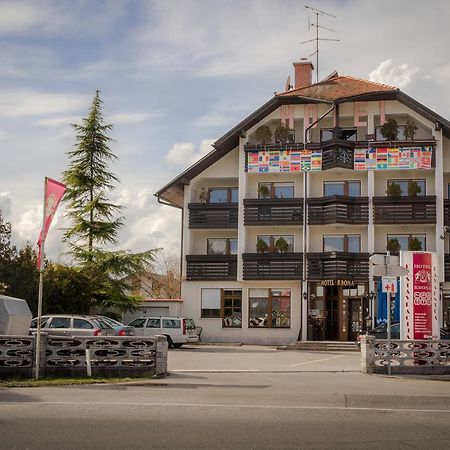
(367, 353)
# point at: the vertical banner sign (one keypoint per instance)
(419, 294)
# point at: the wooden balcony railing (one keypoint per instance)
(409, 210)
(447, 212)
(338, 266)
(447, 267)
(273, 266)
(338, 209)
(213, 215)
(278, 211)
(211, 267)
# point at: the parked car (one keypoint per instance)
(119, 328)
(178, 330)
(73, 325)
(380, 332)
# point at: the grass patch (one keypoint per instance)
(67, 381)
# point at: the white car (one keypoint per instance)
(178, 330)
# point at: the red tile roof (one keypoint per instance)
(338, 87)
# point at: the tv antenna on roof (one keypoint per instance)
(318, 13)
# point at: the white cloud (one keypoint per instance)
(186, 154)
(28, 102)
(58, 121)
(5, 204)
(399, 76)
(18, 16)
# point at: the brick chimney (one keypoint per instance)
(303, 74)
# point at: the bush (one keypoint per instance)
(263, 134)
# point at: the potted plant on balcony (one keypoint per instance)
(263, 191)
(393, 245)
(414, 245)
(203, 196)
(263, 134)
(413, 188)
(262, 246)
(281, 134)
(410, 129)
(394, 190)
(389, 129)
(281, 245)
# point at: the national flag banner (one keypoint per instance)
(53, 192)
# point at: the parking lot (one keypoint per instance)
(252, 358)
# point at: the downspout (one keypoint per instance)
(303, 325)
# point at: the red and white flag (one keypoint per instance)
(54, 190)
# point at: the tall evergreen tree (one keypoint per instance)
(95, 219)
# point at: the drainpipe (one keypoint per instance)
(303, 334)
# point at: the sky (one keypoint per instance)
(174, 76)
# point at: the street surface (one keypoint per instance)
(228, 397)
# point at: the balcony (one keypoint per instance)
(211, 267)
(338, 209)
(273, 266)
(338, 266)
(409, 210)
(447, 212)
(213, 215)
(278, 211)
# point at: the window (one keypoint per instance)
(222, 246)
(275, 244)
(153, 323)
(350, 188)
(269, 308)
(44, 320)
(223, 195)
(348, 134)
(210, 303)
(404, 183)
(171, 323)
(400, 135)
(275, 190)
(60, 322)
(83, 324)
(137, 323)
(223, 303)
(231, 308)
(407, 242)
(342, 243)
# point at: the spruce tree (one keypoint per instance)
(95, 220)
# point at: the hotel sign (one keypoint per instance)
(420, 296)
(345, 283)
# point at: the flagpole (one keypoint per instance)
(41, 285)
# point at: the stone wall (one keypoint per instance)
(111, 356)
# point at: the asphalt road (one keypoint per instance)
(235, 398)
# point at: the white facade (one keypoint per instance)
(230, 172)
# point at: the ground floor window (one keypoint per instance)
(269, 308)
(225, 304)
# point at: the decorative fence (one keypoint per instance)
(406, 357)
(66, 357)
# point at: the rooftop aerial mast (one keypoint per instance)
(318, 13)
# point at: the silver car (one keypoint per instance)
(72, 325)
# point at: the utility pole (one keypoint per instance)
(318, 12)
